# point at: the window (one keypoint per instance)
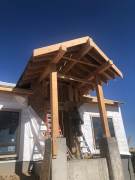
(9, 133)
(98, 129)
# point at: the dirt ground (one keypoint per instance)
(23, 176)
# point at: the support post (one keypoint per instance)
(54, 101)
(101, 105)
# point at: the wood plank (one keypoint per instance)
(56, 58)
(119, 73)
(70, 91)
(99, 70)
(54, 148)
(46, 167)
(54, 101)
(33, 65)
(90, 87)
(43, 58)
(26, 77)
(102, 109)
(55, 47)
(86, 47)
(16, 90)
(74, 78)
(76, 95)
(33, 71)
(21, 83)
(110, 74)
(80, 62)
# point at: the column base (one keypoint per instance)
(109, 150)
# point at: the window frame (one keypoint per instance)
(17, 144)
(91, 116)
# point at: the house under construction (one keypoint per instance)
(57, 79)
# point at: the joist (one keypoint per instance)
(33, 65)
(74, 78)
(99, 70)
(80, 62)
(86, 48)
(33, 71)
(22, 82)
(43, 58)
(108, 73)
(56, 58)
(16, 90)
(26, 77)
(101, 105)
(90, 87)
(54, 101)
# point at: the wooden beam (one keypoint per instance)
(74, 78)
(16, 90)
(22, 82)
(54, 101)
(56, 58)
(119, 73)
(99, 70)
(43, 58)
(70, 91)
(33, 71)
(86, 48)
(90, 87)
(53, 48)
(76, 95)
(108, 73)
(26, 77)
(33, 65)
(102, 109)
(80, 62)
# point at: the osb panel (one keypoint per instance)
(45, 171)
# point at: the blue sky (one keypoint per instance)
(26, 25)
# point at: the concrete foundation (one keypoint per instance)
(127, 167)
(109, 150)
(93, 169)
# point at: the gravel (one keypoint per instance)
(23, 176)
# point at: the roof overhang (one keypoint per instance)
(78, 60)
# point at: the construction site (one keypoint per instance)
(55, 129)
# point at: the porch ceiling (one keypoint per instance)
(76, 60)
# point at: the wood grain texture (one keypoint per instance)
(54, 101)
(102, 109)
(45, 171)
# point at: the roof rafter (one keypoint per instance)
(57, 57)
(99, 70)
(86, 48)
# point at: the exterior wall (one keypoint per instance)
(8, 101)
(31, 140)
(87, 110)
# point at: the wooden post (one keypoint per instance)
(70, 91)
(102, 109)
(54, 101)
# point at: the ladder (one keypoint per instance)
(84, 142)
(48, 125)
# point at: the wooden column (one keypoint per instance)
(102, 109)
(54, 101)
